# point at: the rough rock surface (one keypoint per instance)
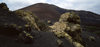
(23, 29)
(90, 21)
(69, 28)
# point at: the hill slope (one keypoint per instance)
(23, 29)
(48, 12)
(51, 12)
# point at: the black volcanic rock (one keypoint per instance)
(23, 29)
(28, 28)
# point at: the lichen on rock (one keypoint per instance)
(25, 27)
(68, 27)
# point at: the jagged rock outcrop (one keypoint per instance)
(26, 29)
(4, 6)
(23, 29)
(69, 28)
(89, 21)
(15, 25)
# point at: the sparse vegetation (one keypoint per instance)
(30, 18)
(74, 18)
(69, 28)
(24, 28)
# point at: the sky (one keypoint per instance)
(88, 5)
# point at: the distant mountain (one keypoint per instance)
(44, 11)
(47, 12)
(51, 12)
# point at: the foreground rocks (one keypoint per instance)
(23, 29)
(68, 28)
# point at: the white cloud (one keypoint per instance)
(68, 4)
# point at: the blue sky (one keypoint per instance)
(89, 5)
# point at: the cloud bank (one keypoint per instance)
(89, 5)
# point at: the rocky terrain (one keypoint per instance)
(89, 20)
(36, 26)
